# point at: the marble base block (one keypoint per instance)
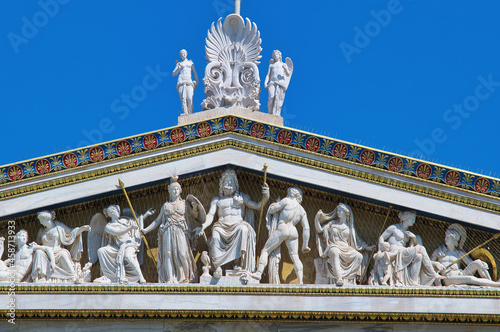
(235, 110)
(232, 278)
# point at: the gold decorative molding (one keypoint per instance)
(304, 316)
(264, 289)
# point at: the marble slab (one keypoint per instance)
(234, 110)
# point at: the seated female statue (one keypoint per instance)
(341, 250)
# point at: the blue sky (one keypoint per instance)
(417, 77)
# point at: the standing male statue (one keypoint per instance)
(232, 236)
(185, 85)
(277, 80)
(285, 215)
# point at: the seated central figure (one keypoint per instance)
(233, 234)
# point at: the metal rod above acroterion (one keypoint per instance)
(237, 7)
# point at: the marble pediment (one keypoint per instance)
(376, 184)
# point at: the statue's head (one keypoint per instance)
(174, 188)
(112, 210)
(343, 210)
(277, 55)
(21, 237)
(408, 217)
(457, 234)
(183, 54)
(295, 192)
(452, 237)
(228, 184)
(46, 217)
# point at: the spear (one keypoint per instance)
(261, 207)
(122, 185)
(496, 236)
(379, 235)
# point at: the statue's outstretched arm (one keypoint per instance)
(117, 230)
(155, 223)
(254, 205)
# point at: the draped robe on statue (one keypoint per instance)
(352, 261)
(175, 260)
(405, 258)
(118, 259)
(233, 237)
(56, 237)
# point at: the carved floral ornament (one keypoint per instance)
(232, 76)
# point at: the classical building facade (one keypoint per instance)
(375, 238)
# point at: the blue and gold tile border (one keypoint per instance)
(370, 158)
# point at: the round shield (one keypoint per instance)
(487, 257)
(194, 204)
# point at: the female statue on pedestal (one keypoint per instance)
(411, 265)
(51, 261)
(185, 84)
(277, 80)
(448, 253)
(175, 260)
(341, 259)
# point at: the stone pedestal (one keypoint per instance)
(235, 110)
(232, 278)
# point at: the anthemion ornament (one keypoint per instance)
(231, 76)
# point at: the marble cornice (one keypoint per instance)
(123, 149)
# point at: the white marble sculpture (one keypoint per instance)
(343, 254)
(4, 265)
(452, 250)
(176, 220)
(18, 267)
(411, 265)
(205, 259)
(185, 84)
(384, 266)
(282, 217)
(116, 245)
(233, 234)
(231, 75)
(277, 80)
(51, 261)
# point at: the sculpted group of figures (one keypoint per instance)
(277, 81)
(114, 239)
